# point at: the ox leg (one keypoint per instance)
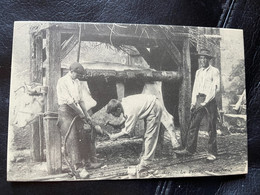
(160, 143)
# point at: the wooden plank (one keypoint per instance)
(185, 92)
(36, 76)
(53, 73)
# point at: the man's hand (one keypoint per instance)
(107, 123)
(203, 104)
(116, 126)
(99, 130)
(116, 135)
(192, 107)
(89, 121)
(113, 137)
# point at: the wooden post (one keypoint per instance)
(37, 140)
(53, 73)
(36, 58)
(78, 54)
(120, 89)
(217, 64)
(36, 76)
(185, 91)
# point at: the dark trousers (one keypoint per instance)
(210, 111)
(80, 145)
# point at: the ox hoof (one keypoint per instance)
(84, 174)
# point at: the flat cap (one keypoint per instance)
(77, 67)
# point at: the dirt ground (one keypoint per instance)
(119, 155)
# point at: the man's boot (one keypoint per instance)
(183, 152)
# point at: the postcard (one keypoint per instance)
(109, 101)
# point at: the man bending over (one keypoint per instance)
(134, 108)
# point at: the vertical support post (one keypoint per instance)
(37, 138)
(53, 72)
(32, 56)
(80, 29)
(36, 58)
(217, 64)
(36, 76)
(41, 136)
(120, 89)
(185, 91)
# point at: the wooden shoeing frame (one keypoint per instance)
(61, 38)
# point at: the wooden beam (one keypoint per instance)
(145, 75)
(171, 48)
(145, 54)
(124, 34)
(185, 91)
(53, 73)
(68, 45)
(36, 43)
(131, 34)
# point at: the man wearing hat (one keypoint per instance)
(206, 85)
(75, 100)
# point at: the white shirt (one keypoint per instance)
(72, 91)
(136, 107)
(207, 81)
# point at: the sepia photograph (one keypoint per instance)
(110, 101)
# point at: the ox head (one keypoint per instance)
(29, 104)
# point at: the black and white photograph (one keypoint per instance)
(113, 101)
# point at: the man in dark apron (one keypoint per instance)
(74, 121)
(206, 85)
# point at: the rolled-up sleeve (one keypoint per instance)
(63, 93)
(214, 87)
(130, 124)
(217, 80)
(195, 90)
(85, 95)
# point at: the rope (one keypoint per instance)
(74, 172)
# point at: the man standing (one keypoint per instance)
(206, 85)
(134, 108)
(72, 105)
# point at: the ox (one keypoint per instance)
(29, 103)
(155, 88)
